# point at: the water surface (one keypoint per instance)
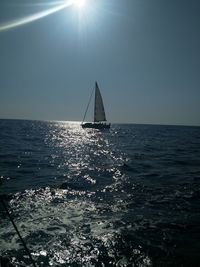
(128, 196)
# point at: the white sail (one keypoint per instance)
(99, 113)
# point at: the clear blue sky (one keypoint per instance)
(145, 55)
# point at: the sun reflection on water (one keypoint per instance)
(80, 218)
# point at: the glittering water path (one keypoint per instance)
(124, 197)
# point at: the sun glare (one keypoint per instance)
(79, 3)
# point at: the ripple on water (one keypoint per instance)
(128, 196)
(67, 232)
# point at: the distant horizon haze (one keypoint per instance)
(112, 122)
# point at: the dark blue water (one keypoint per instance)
(125, 197)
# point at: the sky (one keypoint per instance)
(144, 54)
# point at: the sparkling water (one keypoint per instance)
(128, 196)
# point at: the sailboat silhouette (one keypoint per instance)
(99, 112)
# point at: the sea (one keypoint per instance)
(128, 196)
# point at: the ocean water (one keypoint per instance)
(128, 196)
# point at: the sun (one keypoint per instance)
(79, 3)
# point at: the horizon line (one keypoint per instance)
(114, 123)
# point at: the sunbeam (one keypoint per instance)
(39, 15)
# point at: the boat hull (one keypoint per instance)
(96, 125)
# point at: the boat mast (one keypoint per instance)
(88, 104)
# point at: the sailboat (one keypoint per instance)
(99, 112)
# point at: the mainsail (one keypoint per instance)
(99, 113)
